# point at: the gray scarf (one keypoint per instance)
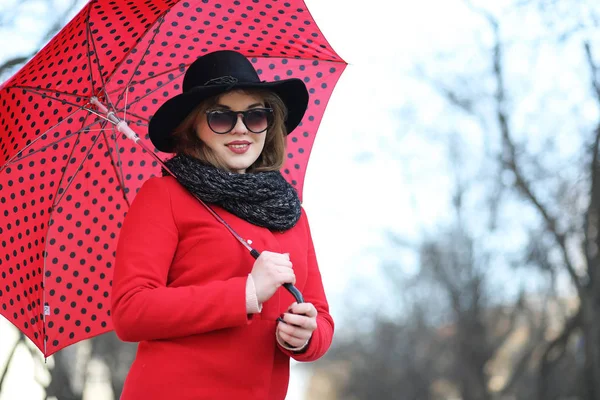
(264, 198)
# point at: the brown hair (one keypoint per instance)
(273, 154)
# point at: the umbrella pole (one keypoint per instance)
(122, 127)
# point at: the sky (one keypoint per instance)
(371, 171)
(386, 176)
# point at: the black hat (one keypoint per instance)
(216, 73)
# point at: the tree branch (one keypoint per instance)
(56, 26)
(492, 20)
(61, 385)
(441, 276)
(13, 62)
(509, 158)
(535, 337)
(512, 319)
(518, 369)
(59, 22)
(592, 214)
(556, 350)
(593, 69)
(591, 241)
(455, 99)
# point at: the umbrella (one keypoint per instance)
(68, 170)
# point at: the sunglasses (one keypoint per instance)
(257, 120)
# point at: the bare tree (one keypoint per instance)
(116, 355)
(394, 361)
(587, 282)
(573, 230)
(456, 340)
(61, 378)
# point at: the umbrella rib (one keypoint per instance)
(125, 107)
(37, 138)
(51, 214)
(76, 105)
(119, 171)
(162, 16)
(64, 173)
(295, 58)
(138, 99)
(156, 30)
(39, 90)
(51, 144)
(87, 34)
(98, 62)
(133, 83)
(76, 170)
(137, 116)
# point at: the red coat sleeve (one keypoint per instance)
(143, 307)
(314, 293)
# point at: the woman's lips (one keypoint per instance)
(238, 148)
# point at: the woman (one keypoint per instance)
(204, 311)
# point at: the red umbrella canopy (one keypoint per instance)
(68, 176)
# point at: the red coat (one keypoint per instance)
(179, 289)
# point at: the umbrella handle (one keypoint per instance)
(290, 288)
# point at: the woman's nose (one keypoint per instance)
(240, 126)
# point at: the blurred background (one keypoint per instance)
(454, 197)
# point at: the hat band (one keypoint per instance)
(222, 80)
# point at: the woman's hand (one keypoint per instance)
(270, 271)
(300, 323)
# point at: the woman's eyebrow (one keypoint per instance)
(226, 107)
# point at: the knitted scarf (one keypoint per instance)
(264, 198)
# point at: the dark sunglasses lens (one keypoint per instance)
(257, 120)
(221, 122)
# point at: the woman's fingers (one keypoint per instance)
(277, 258)
(298, 334)
(300, 321)
(286, 275)
(292, 341)
(307, 309)
(297, 326)
(269, 272)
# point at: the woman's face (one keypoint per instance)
(239, 148)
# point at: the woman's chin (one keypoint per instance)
(238, 167)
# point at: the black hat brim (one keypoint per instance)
(292, 92)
